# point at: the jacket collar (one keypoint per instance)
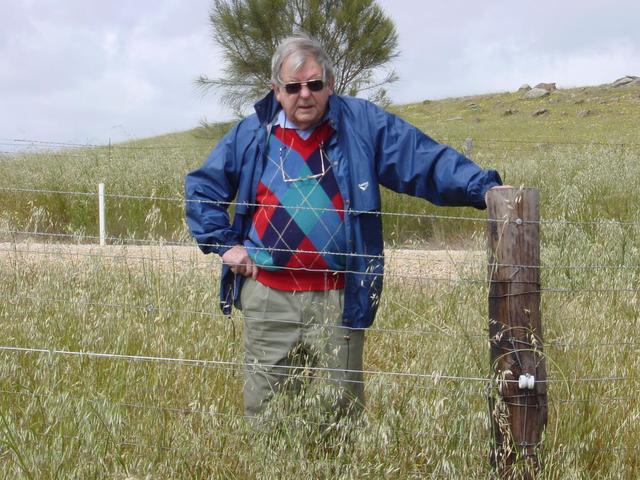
(267, 108)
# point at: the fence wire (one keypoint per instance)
(350, 211)
(400, 256)
(528, 142)
(85, 240)
(253, 367)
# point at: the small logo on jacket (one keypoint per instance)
(363, 186)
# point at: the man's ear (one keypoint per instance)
(276, 90)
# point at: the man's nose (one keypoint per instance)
(304, 91)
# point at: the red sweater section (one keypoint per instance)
(301, 280)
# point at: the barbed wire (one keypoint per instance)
(266, 420)
(131, 444)
(43, 144)
(389, 253)
(329, 273)
(91, 155)
(227, 204)
(581, 290)
(393, 251)
(413, 376)
(19, 141)
(393, 276)
(557, 290)
(163, 408)
(395, 257)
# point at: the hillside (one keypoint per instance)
(602, 114)
(568, 144)
(596, 114)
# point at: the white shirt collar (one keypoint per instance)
(282, 121)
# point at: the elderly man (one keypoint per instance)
(303, 257)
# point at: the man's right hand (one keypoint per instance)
(238, 259)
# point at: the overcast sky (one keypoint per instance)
(84, 71)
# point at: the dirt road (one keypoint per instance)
(401, 263)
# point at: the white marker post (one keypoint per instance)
(101, 214)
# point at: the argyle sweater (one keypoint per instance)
(297, 236)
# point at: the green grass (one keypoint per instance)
(72, 416)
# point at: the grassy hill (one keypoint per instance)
(568, 144)
(574, 116)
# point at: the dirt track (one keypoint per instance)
(401, 263)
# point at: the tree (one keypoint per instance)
(357, 35)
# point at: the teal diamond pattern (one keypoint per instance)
(308, 194)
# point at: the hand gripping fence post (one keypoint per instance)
(518, 397)
(101, 219)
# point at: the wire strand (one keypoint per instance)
(425, 216)
(437, 377)
(392, 253)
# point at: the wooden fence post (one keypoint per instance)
(519, 404)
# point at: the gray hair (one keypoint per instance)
(299, 48)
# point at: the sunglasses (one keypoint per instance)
(295, 87)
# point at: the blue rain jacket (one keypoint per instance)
(370, 147)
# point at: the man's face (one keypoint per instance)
(304, 108)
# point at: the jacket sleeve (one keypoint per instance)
(408, 161)
(209, 191)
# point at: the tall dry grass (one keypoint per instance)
(134, 415)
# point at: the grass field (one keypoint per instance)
(166, 400)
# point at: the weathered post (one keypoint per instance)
(519, 405)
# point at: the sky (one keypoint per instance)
(88, 71)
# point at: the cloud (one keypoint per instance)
(75, 68)
(461, 48)
(71, 70)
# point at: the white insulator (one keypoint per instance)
(527, 382)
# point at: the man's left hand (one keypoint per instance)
(486, 195)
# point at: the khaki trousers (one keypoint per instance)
(284, 332)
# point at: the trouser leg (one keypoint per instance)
(345, 364)
(340, 350)
(284, 330)
(271, 334)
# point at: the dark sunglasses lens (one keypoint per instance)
(313, 85)
(292, 88)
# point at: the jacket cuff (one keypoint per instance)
(493, 180)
